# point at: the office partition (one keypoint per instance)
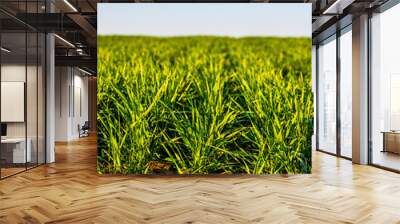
(15, 152)
(22, 77)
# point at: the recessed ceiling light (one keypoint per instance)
(70, 5)
(337, 7)
(5, 50)
(64, 40)
(84, 71)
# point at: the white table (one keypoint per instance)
(19, 154)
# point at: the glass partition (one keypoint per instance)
(22, 77)
(13, 94)
(31, 97)
(385, 89)
(31, 88)
(327, 95)
(41, 91)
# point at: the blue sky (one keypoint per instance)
(247, 19)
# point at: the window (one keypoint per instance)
(327, 96)
(385, 89)
(346, 92)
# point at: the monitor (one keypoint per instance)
(3, 129)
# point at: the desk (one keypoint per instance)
(391, 141)
(16, 147)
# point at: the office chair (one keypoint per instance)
(84, 130)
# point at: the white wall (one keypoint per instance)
(62, 82)
(12, 73)
(79, 117)
(33, 127)
(70, 83)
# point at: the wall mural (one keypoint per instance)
(204, 104)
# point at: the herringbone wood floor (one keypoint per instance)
(70, 191)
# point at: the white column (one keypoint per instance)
(360, 90)
(50, 98)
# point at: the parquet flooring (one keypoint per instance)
(11, 170)
(70, 191)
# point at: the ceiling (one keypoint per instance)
(75, 22)
(331, 15)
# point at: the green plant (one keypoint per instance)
(198, 105)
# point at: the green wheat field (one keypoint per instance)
(204, 105)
